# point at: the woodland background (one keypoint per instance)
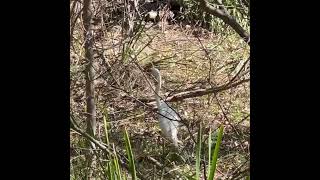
(202, 49)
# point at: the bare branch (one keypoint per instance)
(201, 92)
(226, 17)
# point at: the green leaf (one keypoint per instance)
(198, 152)
(132, 167)
(215, 154)
(116, 164)
(209, 148)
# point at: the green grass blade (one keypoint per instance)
(215, 154)
(110, 170)
(198, 153)
(116, 164)
(209, 149)
(116, 172)
(130, 156)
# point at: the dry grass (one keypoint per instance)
(183, 64)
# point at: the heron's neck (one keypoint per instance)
(158, 86)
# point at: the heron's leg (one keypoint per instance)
(163, 158)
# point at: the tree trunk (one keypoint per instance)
(89, 78)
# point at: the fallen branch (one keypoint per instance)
(199, 92)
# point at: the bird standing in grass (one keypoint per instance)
(168, 118)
